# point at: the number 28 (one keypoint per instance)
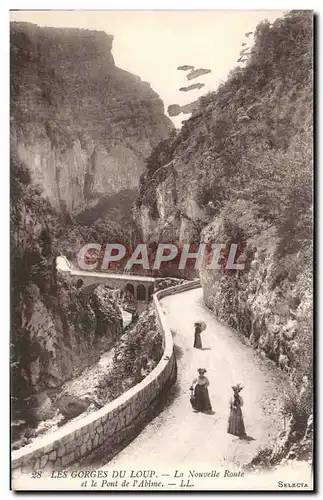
(36, 474)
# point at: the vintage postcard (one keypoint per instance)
(161, 167)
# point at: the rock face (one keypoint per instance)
(269, 301)
(56, 330)
(62, 341)
(163, 283)
(240, 171)
(81, 125)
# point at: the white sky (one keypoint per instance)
(152, 44)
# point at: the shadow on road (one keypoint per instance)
(178, 351)
(245, 438)
(172, 395)
(108, 450)
(204, 412)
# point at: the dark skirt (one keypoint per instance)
(197, 340)
(201, 398)
(235, 424)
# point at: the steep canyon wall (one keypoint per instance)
(82, 125)
(240, 171)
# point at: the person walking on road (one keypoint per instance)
(197, 336)
(201, 401)
(199, 328)
(236, 424)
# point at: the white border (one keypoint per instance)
(4, 191)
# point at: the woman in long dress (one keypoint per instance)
(201, 394)
(197, 336)
(236, 424)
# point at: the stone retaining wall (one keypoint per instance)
(75, 440)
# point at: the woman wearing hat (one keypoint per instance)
(197, 335)
(201, 394)
(235, 424)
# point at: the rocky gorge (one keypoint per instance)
(84, 134)
(82, 125)
(80, 131)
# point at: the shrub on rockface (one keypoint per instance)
(298, 404)
(296, 441)
(245, 157)
(252, 172)
(266, 300)
(136, 355)
(257, 131)
(30, 267)
(55, 330)
(153, 174)
(106, 310)
(163, 283)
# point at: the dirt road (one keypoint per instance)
(177, 434)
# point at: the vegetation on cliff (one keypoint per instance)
(136, 355)
(241, 170)
(82, 125)
(80, 130)
(56, 331)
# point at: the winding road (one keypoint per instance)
(180, 436)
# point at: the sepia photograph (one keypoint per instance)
(161, 250)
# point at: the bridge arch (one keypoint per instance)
(130, 288)
(141, 288)
(141, 292)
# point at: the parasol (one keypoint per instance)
(201, 324)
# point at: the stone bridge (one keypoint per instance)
(141, 287)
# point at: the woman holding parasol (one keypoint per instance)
(236, 424)
(200, 399)
(200, 326)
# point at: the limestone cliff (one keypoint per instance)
(240, 171)
(56, 331)
(82, 125)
